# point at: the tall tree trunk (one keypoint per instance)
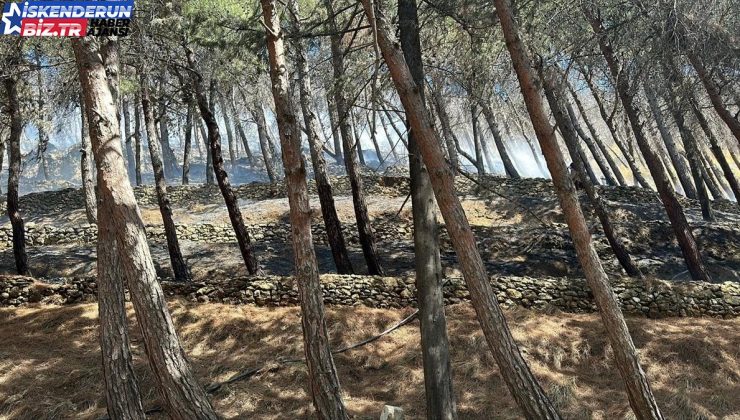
(440, 398)
(667, 195)
(2, 154)
(259, 118)
(137, 137)
(129, 136)
(596, 138)
(509, 167)
(447, 133)
(188, 144)
(732, 123)
(477, 144)
(180, 392)
(170, 162)
(682, 169)
(214, 139)
(349, 144)
(556, 97)
(121, 387)
(591, 144)
(710, 177)
(628, 157)
(332, 110)
(323, 185)
(717, 150)
(388, 137)
(229, 130)
(322, 374)
(240, 130)
(179, 268)
(522, 384)
(357, 137)
(14, 171)
(373, 137)
(209, 156)
(88, 188)
(640, 395)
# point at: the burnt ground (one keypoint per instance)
(522, 234)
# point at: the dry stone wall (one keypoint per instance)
(648, 298)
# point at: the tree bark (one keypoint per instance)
(332, 110)
(240, 130)
(667, 195)
(181, 394)
(170, 161)
(88, 188)
(440, 398)
(639, 393)
(349, 144)
(324, 382)
(214, 140)
(682, 169)
(477, 144)
(522, 384)
(14, 172)
(130, 155)
(179, 268)
(323, 185)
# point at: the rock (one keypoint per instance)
(391, 412)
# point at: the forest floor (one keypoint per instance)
(49, 356)
(50, 369)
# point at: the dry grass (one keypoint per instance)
(49, 363)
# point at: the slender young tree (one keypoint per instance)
(324, 382)
(323, 185)
(440, 398)
(137, 137)
(516, 374)
(351, 147)
(259, 119)
(180, 392)
(214, 140)
(129, 136)
(179, 268)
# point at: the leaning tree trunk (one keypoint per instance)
(88, 188)
(717, 150)
(667, 195)
(596, 138)
(477, 143)
(14, 173)
(564, 119)
(180, 392)
(259, 118)
(322, 374)
(591, 144)
(179, 268)
(240, 130)
(435, 348)
(629, 157)
(323, 185)
(509, 167)
(170, 161)
(679, 163)
(732, 123)
(214, 139)
(331, 108)
(639, 393)
(523, 386)
(349, 144)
